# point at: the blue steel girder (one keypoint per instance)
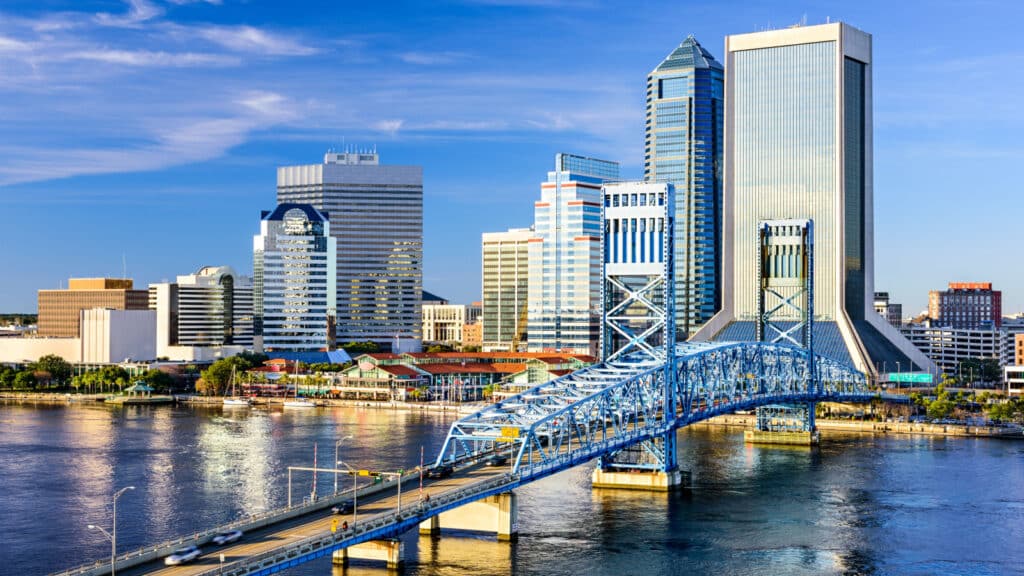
(609, 406)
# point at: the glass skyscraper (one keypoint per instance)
(798, 125)
(564, 308)
(293, 283)
(377, 220)
(683, 145)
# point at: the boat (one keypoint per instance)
(235, 400)
(296, 401)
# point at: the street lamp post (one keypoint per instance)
(112, 535)
(336, 446)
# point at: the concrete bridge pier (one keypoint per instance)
(790, 424)
(498, 514)
(391, 552)
(635, 479)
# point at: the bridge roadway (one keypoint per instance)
(285, 533)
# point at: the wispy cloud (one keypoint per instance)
(171, 141)
(254, 40)
(144, 58)
(139, 11)
(12, 45)
(432, 58)
(535, 3)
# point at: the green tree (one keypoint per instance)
(252, 359)
(159, 380)
(435, 348)
(58, 368)
(7, 375)
(25, 380)
(940, 409)
(354, 348)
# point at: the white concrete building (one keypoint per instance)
(1013, 377)
(443, 323)
(113, 336)
(376, 214)
(209, 309)
(106, 336)
(947, 347)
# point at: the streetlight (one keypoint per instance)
(112, 535)
(336, 445)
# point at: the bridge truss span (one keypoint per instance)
(635, 399)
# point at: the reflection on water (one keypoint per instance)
(859, 504)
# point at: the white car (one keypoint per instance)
(183, 555)
(227, 537)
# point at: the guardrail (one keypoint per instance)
(375, 527)
(251, 522)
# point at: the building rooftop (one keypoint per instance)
(689, 54)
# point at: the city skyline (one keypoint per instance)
(221, 154)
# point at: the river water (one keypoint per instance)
(858, 504)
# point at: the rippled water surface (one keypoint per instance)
(859, 504)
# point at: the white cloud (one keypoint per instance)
(139, 11)
(167, 141)
(390, 126)
(254, 40)
(147, 58)
(431, 58)
(12, 45)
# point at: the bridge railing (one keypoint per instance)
(246, 523)
(375, 527)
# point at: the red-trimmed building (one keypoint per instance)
(454, 376)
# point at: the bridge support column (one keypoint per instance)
(635, 479)
(391, 552)
(784, 424)
(498, 514)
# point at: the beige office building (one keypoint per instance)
(60, 310)
(506, 274)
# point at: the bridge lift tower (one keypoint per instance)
(638, 321)
(785, 314)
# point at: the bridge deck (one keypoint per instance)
(290, 532)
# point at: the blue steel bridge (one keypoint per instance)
(602, 410)
(634, 404)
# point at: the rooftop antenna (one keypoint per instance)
(124, 266)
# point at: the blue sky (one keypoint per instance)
(151, 129)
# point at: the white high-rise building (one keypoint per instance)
(293, 288)
(377, 221)
(212, 308)
(506, 278)
(564, 310)
(798, 134)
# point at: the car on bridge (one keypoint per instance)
(183, 555)
(345, 507)
(441, 471)
(227, 537)
(496, 460)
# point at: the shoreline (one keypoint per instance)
(746, 421)
(62, 398)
